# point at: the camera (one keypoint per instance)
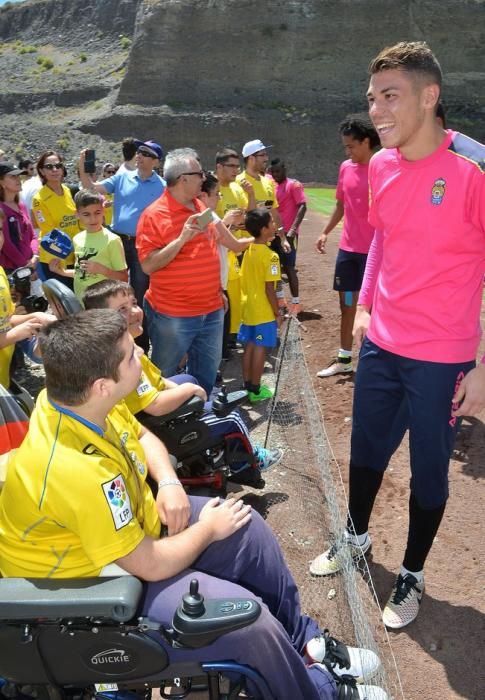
(20, 281)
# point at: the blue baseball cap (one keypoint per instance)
(57, 243)
(153, 148)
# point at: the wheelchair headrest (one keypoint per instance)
(61, 299)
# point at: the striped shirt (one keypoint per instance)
(190, 284)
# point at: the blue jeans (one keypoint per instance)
(198, 336)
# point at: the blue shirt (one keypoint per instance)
(131, 196)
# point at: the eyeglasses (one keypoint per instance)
(147, 154)
(54, 166)
(110, 172)
(195, 172)
(231, 165)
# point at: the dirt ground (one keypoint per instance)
(440, 655)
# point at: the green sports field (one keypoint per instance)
(321, 199)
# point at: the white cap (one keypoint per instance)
(252, 147)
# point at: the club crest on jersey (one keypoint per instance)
(119, 501)
(438, 191)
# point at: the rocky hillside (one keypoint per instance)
(207, 73)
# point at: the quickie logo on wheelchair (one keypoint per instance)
(111, 657)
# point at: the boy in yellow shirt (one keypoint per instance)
(99, 252)
(260, 271)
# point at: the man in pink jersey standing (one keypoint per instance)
(292, 206)
(359, 139)
(423, 284)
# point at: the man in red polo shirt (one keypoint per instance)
(184, 302)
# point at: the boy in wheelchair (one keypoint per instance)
(157, 396)
(76, 501)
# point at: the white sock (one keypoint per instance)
(418, 575)
(280, 294)
(356, 539)
(295, 300)
(344, 353)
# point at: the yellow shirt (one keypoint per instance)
(7, 308)
(75, 498)
(260, 265)
(151, 383)
(264, 190)
(55, 211)
(232, 196)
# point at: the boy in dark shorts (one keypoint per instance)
(260, 271)
(359, 139)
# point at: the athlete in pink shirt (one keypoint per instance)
(292, 207)
(423, 283)
(359, 139)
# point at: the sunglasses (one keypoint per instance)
(110, 172)
(195, 172)
(147, 154)
(54, 166)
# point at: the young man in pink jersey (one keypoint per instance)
(359, 138)
(292, 207)
(423, 284)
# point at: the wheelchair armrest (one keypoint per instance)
(198, 622)
(114, 598)
(224, 402)
(193, 406)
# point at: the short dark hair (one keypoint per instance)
(25, 163)
(96, 296)
(225, 154)
(360, 127)
(128, 148)
(441, 113)
(84, 198)
(414, 57)
(256, 220)
(210, 182)
(277, 163)
(78, 350)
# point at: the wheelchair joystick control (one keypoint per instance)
(193, 601)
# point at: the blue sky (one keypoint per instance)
(2, 2)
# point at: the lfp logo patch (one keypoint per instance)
(118, 501)
(438, 191)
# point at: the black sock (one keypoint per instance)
(423, 526)
(254, 388)
(364, 484)
(247, 385)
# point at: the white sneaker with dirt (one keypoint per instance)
(341, 660)
(341, 365)
(330, 562)
(403, 605)
(348, 689)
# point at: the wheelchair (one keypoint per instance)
(76, 639)
(204, 463)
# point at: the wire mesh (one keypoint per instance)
(305, 503)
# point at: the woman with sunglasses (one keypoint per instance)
(20, 243)
(53, 207)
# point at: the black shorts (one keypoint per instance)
(286, 259)
(349, 271)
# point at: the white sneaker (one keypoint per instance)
(330, 562)
(342, 660)
(403, 604)
(337, 366)
(349, 689)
